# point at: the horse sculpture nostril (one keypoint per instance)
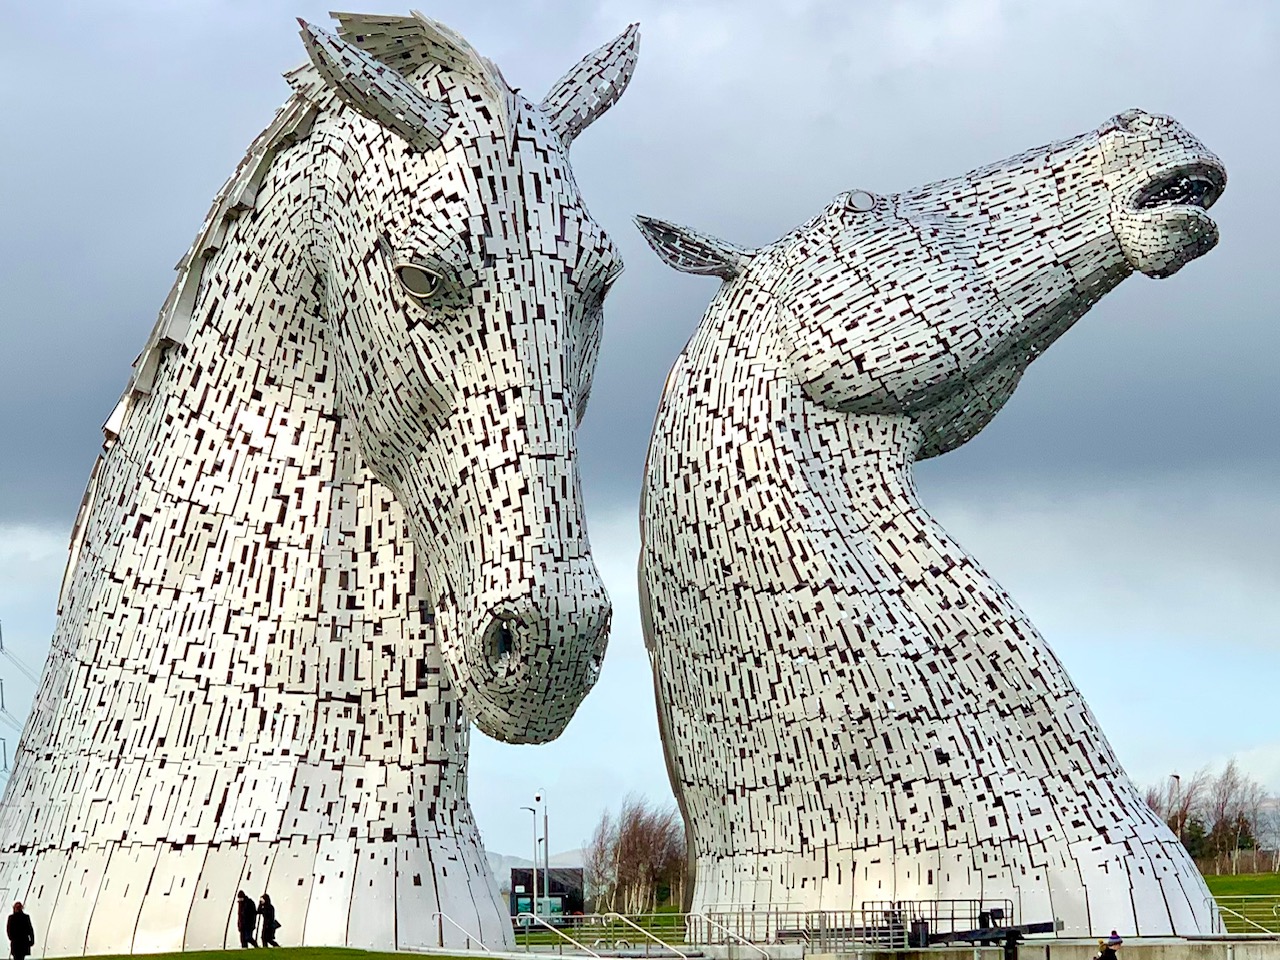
(499, 643)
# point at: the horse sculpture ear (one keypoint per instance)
(375, 90)
(692, 252)
(583, 94)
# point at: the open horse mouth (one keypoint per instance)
(1191, 185)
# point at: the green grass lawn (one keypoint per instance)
(665, 926)
(293, 953)
(1245, 885)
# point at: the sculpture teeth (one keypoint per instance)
(1181, 190)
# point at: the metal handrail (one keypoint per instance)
(1214, 905)
(652, 936)
(727, 932)
(465, 932)
(731, 906)
(558, 932)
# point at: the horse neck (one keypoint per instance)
(239, 416)
(235, 507)
(859, 467)
(933, 594)
(839, 484)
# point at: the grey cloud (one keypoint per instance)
(747, 132)
(1189, 560)
(743, 118)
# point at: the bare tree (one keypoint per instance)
(635, 857)
(1248, 822)
(1179, 800)
(1268, 831)
(1222, 820)
(599, 865)
(1226, 817)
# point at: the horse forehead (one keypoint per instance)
(548, 192)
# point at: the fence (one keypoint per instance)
(1239, 862)
(607, 931)
(889, 924)
(1248, 914)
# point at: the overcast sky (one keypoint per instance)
(1126, 496)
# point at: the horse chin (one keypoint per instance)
(493, 720)
(1162, 241)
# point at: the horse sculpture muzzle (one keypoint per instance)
(521, 613)
(533, 657)
(1164, 182)
(525, 651)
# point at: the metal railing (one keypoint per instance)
(877, 924)
(648, 933)
(925, 919)
(1246, 914)
(665, 928)
(439, 918)
(825, 931)
(531, 918)
(694, 919)
(948, 915)
(889, 924)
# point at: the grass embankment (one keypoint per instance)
(1245, 885)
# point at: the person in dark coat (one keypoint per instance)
(269, 926)
(246, 920)
(22, 936)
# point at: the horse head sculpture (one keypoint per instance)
(851, 708)
(1013, 254)
(464, 281)
(337, 516)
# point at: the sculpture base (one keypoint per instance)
(375, 895)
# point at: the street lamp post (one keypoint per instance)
(546, 855)
(1177, 799)
(533, 903)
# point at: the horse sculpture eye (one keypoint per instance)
(861, 202)
(418, 281)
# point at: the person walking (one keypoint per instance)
(22, 936)
(246, 920)
(1107, 948)
(269, 926)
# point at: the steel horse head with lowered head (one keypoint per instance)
(464, 285)
(337, 517)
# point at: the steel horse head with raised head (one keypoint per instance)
(885, 723)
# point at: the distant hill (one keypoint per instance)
(501, 865)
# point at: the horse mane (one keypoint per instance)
(408, 43)
(405, 44)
